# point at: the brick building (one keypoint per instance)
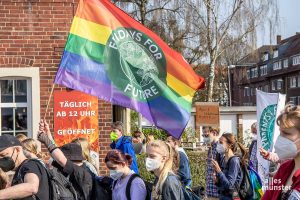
(271, 68)
(33, 34)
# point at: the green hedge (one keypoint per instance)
(197, 164)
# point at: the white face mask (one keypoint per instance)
(285, 148)
(220, 148)
(115, 174)
(254, 137)
(152, 164)
(206, 140)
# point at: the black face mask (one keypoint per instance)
(7, 163)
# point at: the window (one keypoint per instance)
(19, 111)
(274, 85)
(246, 91)
(253, 73)
(265, 57)
(266, 88)
(279, 84)
(293, 82)
(14, 106)
(248, 74)
(298, 80)
(277, 65)
(293, 100)
(263, 70)
(296, 60)
(298, 100)
(285, 63)
(275, 54)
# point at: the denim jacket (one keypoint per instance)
(229, 179)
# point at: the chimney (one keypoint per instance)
(278, 39)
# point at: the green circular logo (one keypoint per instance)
(135, 64)
(266, 126)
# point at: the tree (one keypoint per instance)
(224, 24)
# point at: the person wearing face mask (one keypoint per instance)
(159, 161)
(229, 175)
(287, 147)
(184, 171)
(123, 143)
(68, 160)
(210, 137)
(30, 180)
(253, 147)
(118, 164)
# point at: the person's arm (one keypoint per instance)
(270, 156)
(172, 189)
(46, 138)
(26, 189)
(228, 180)
(184, 170)
(138, 189)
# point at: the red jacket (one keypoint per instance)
(280, 179)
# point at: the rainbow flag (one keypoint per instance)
(110, 55)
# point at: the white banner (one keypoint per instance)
(269, 106)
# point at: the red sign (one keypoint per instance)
(75, 116)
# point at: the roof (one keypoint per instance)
(254, 56)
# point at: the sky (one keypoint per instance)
(289, 22)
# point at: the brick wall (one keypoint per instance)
(33, 33)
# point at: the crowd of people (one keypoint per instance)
(71, 172)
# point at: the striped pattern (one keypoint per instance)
(83, 67)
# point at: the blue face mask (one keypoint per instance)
(220, 148)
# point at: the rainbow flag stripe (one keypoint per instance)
(110, 55)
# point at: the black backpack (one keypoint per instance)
(128, 187)
(245, 189)
(101, 189)
(60, 187)
(189, 194)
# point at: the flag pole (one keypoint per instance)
(49, 99)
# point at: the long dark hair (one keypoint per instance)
(234, 145)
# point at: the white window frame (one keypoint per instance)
(277, 65)
(273, 83)
(296, 60)
(248, 74)
(279, 83)
(265, 56)
(293, 82)
(32, 75)
(285, 63)
(263, 70)
(293, 99)
(275, 55)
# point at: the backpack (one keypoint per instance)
(101, 186)
(245, 190)
(189, 194)
(128, 187)
(60, 187)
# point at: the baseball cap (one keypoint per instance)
(72, 151)
(7, 141)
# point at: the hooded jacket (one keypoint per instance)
(281, 177)
(124, 144)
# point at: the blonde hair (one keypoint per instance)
(21, 137)
(149, 138)
(290, 117)
(85, 146)
(167, 151)
(31, 146)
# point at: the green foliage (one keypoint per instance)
(134, 118)
(157, 133)
(197, 165)
(189, 134)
